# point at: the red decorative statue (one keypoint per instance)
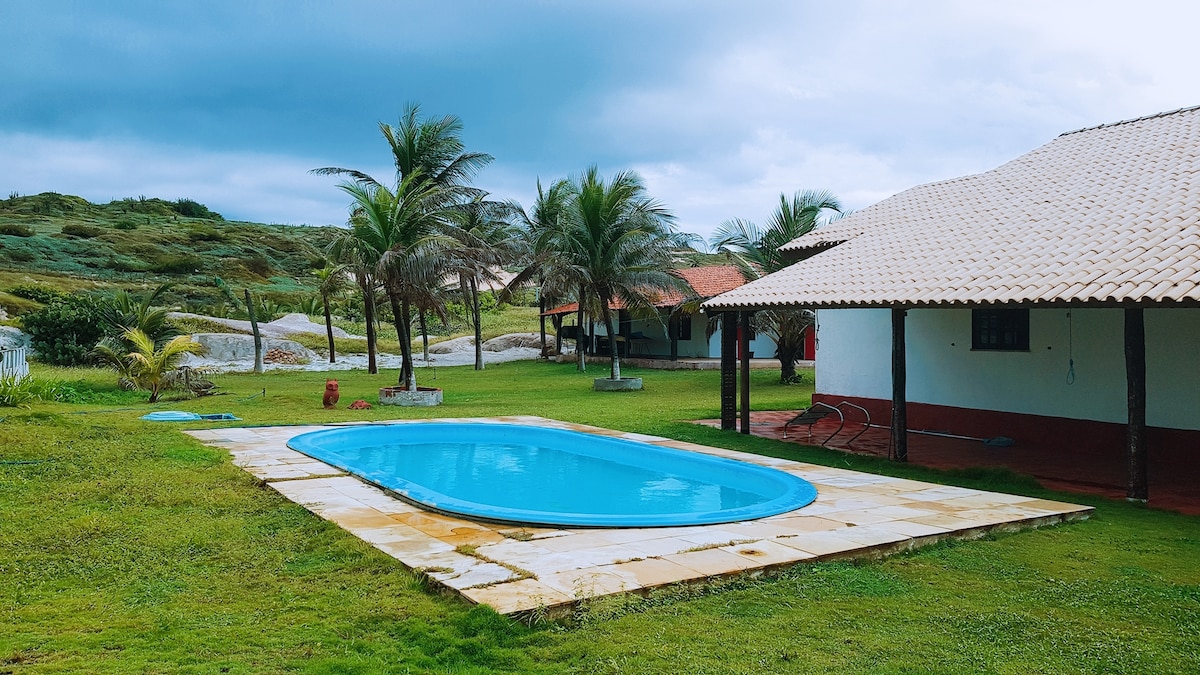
(331, 394)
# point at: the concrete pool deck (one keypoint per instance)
(524, 569)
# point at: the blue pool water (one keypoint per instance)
(538, 476)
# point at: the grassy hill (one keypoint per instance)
(67, 243)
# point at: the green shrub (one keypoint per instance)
(42, 294)
(64, 332)
(204, 233)
(126, 224)
(257, 264)
(21, 255)
(193, 209)
(184, 263)
(81, 230)
(16, 230)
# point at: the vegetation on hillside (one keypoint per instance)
(133, 243)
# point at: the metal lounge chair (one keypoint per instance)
(819, 411)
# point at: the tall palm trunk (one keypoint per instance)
(424, 334)
(478, 320)
(542, 313)
(328, 325)
(369, 316)
(401, 312)
(615, 372)
(406, 310)
(581, 363)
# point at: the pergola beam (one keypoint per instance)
(744, 351)
(728, 371)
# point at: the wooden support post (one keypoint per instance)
(744, 350)
(899, 382)
(673, 332)
(728, 371)
(1135, 380)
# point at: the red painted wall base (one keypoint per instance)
(1080, 436)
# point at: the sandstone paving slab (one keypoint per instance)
(521, 569)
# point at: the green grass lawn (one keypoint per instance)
(126, 546)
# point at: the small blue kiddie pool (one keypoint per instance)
(538, 476)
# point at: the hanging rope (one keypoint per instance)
(1070, 348)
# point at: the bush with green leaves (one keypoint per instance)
(16, 230)
(64, 332)
(192, 209)
(82, 231)
(42, 294)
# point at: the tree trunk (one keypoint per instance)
(557, 321)
(258, 345)
(787, 354)
(328, 326)
(478, 321)
(580, 363)
(424, 335)
(615, 371)
(542, 315)
(364, 282)
(400, 315)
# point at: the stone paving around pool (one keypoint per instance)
(525, 569)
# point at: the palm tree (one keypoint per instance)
(427, 153)
(129, 311)
(401, 231)
(331, 279)
(538, 221)
(356, 257)
(486, 239)
(615, 242)
(148, 365)
(431, 149)
(756, 253)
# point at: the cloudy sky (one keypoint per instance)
(721, 106)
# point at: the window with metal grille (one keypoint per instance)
(1001, 330)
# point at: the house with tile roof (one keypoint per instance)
(1056, 296)
(674, 332)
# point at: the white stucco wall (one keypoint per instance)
(854, 359)
(697, 347)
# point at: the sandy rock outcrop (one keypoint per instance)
(230, 347)
(513, 341)
(455, 346)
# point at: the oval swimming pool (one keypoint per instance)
(540, 476)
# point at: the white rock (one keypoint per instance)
(230, 347)
(455, 346)
(514, 340)
(13, 338)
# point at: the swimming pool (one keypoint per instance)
(542, 476)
